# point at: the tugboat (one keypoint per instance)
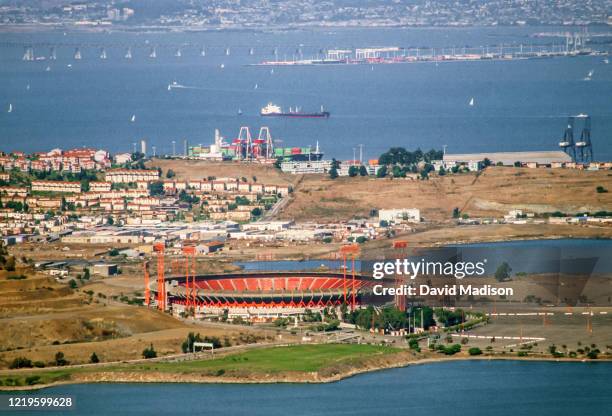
(272, 110)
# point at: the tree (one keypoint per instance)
(503, 272)
(149, 352)
(363, 171)
(486, 162)
(60, 359)
(110, 220)
(9, 266)
(601, 190)
(456, 212)
(73, 284)
(156, 188)
(517, 164)
(333, 173)
(256, 212)
(442, 171)
(382, 172)
(361, 239)
(170, 174)
(94, 358)
(353, 171)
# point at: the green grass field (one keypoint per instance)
(274, 360)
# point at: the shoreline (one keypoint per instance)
(132, 377)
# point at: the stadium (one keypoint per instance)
(261, 295)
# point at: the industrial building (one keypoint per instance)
(507, 158)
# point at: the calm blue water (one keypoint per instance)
(520, 105)
(529, 256)
(458, 388)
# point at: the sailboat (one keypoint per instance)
(272, 71)
(10, 109)
(222, 66)
(471, 103)
(256, 86)
(589, 75)
(239, 112)
(133, 119)
(153, 53)
(48, 68)
(28, 87)
(606, 61)
(128, 53)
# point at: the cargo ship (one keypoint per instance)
(247, 147)
(298, 154)
(272, 110)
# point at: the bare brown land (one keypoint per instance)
(40, 317)
(492, 193)
(200, 169)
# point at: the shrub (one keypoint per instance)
(16, 277)
(593, 354)
(60, 360)
(31, 380)
(21, 362)
(475, 351)
(149, 352)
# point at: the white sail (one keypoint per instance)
(10, 109)
(472, 102)
(133, 119)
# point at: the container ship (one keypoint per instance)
(272, 110)
(247, 147)
(298, 154)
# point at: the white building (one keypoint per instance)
(400, 215)
(303, 167)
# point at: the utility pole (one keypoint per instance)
(360, 154)
(173, 148)
(154, 149)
